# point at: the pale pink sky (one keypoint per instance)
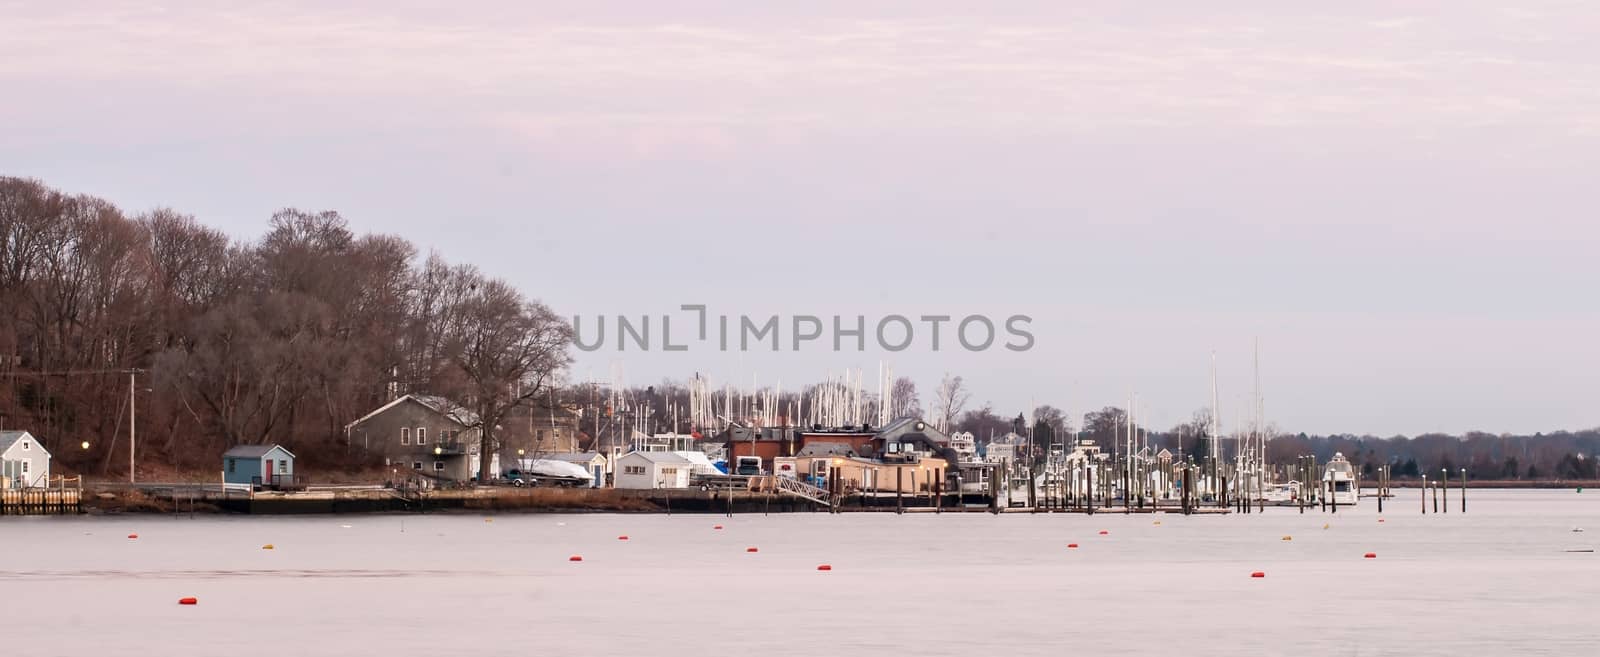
(1397, 198)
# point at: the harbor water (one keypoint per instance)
(1508, 577)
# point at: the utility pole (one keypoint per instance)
(132, 426)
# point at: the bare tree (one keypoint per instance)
(950, 399)
(903, 399)
(508, 350)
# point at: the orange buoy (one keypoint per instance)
(1072, 546)
(188, 601)
(751, 549)
(1370, 555)
(623, 537)
(267, 547)
(133, 536)
(824, 567)
(575, 557)
(1258, 574)
(1104, 532)
(1287, 538)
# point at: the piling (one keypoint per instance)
(899, 490)
(1424, 494)
(1381, 472)
(1088, 487)
(1463, 490)
(1446, 481)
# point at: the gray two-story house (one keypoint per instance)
(422, 435)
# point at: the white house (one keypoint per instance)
(643, 470)
(24, 463)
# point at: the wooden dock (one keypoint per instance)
(41, 501)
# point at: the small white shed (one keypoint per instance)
(24, 463)
(645, 470)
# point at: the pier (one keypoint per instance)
(63, 497)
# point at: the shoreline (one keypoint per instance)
(181, 499)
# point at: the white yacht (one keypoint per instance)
(1339, 481)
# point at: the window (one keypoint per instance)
(231, 469)
(669, 471)
(26, 446)
(283, 467)
(633, 469)
(25, 465)
(405, 436)
(541, 435)
(416, 465)
(438, 465)
(422, 436)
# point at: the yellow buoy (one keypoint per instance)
(1157, 523)
(267, 547)
(488, 519)
(1288, 538)
(1325, 526)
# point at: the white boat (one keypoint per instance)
(1282, 493)
(1339, 481)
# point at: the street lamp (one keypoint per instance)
(85, 445)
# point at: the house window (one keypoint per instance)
(26, 446)
(25, 465)
(231, 463)
(669, 471)
(633, 469)
(283, 467)
(541, 435)
(416, 465)
(422, 436)
(438, 466)
(405, 436)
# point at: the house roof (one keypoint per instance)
(255, 451)
(825, 448)
(435, 403)
(9, 438)
(658, 457)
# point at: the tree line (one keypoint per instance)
(220, 342)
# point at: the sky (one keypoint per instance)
(1396, 201)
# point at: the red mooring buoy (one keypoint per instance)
(751, 549)
(1104, 532)
(133, 536)
(1258, 574)
(575, 557)
(717, 527)
(1370, 555)
(188, 601)
(824, 567)
(623, 537)
(1072, 546)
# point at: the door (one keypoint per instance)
(266, 477)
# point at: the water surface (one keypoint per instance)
(1499, 580)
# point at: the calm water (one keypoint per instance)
(1497, 581)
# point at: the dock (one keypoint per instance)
(41, 501)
